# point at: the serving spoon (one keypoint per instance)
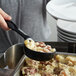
(40, 56)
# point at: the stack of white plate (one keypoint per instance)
(66, 31)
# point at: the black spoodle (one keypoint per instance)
(40, 56)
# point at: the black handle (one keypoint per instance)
(16, 29)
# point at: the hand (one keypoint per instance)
(4, 16)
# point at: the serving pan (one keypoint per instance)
(12, 60)
(61, 47)
(17, 71)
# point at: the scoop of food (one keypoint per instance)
(59, 65)
(38, 46)
(31, 48)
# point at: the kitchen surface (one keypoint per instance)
(52, 58)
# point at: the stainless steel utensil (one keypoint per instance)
(10, 59)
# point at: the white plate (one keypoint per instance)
(66, 33)
(65, 38)
(67, 26)
(60, 40)
(62, 9)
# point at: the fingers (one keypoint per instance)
(3, 17)
(3, 24)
